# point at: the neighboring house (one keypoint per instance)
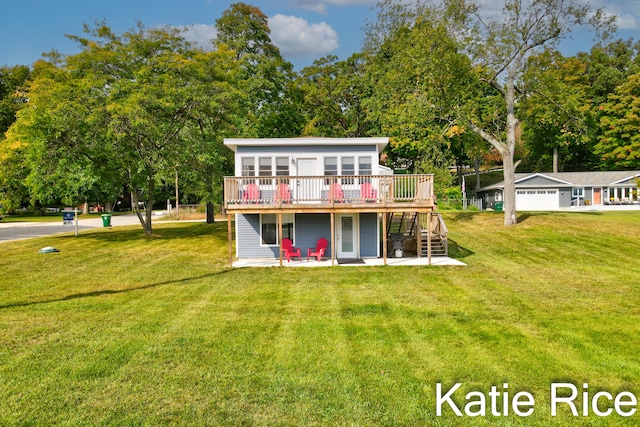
(305, 189)
(546, 191)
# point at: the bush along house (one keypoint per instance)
(311, 192)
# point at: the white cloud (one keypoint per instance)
(297, 38)
(200, 34)
(627, 21)
(321, 6)
(627, 12)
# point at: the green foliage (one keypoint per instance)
(335, 96)
(273, 101)
(558, 114)
(12, 82)
(419, 82)
(122, 114)
(619, 143)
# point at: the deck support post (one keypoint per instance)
(280, 236)
(384, 238)
(429, 238)
(333, 238)
(229, 239)
(418, 236)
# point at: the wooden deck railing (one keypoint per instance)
(361, 189)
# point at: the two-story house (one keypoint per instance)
(306, 189)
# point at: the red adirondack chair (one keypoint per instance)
(368, 193)
(335, 193)
(283, 194)
(318, 252)
(288, 251)
(251, 194)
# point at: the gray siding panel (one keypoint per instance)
(368, 235)
(248, 238)
(310, 228)
(565, 196)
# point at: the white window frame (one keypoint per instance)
(242, 164)
(286, 219)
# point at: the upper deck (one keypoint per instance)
(333, 193)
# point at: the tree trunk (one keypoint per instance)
(508, 151)
(210, 213)
(85, 208)
(146, 220)
(555, 159)
(509, 201)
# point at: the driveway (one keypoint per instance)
(25, 230)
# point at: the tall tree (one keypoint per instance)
(500, 47)
(273, 101)
(12, 82)
(417, 76)
(558, 117)
(120, 113)
(619, 144)
(13, 192)
(335, 94)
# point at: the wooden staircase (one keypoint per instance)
(438, 236)
(438, 246)
(401, 222)
(405, 223)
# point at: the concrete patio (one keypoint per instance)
(365, 262)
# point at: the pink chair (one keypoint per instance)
(251, 194)
(318, 252)
(335, 193)
(288, 251)
(283, 194)
(368, 193)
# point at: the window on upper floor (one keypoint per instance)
(264, 169)
(282, 166)
(248, 166)
(364, 168)
(330, 167)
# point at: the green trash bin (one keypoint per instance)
(498, 206)
(106, 220)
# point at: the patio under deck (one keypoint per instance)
(365, 262)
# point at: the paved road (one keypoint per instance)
(25, 230)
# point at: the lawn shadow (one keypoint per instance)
(456, 251)
(113, 291)
(462, 216)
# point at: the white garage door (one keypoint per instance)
(537, 200)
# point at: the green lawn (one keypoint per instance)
(118, 329)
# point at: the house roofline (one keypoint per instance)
(625, 179)
(524, 178)
(234, 143)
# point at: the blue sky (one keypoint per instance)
(304, 30)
